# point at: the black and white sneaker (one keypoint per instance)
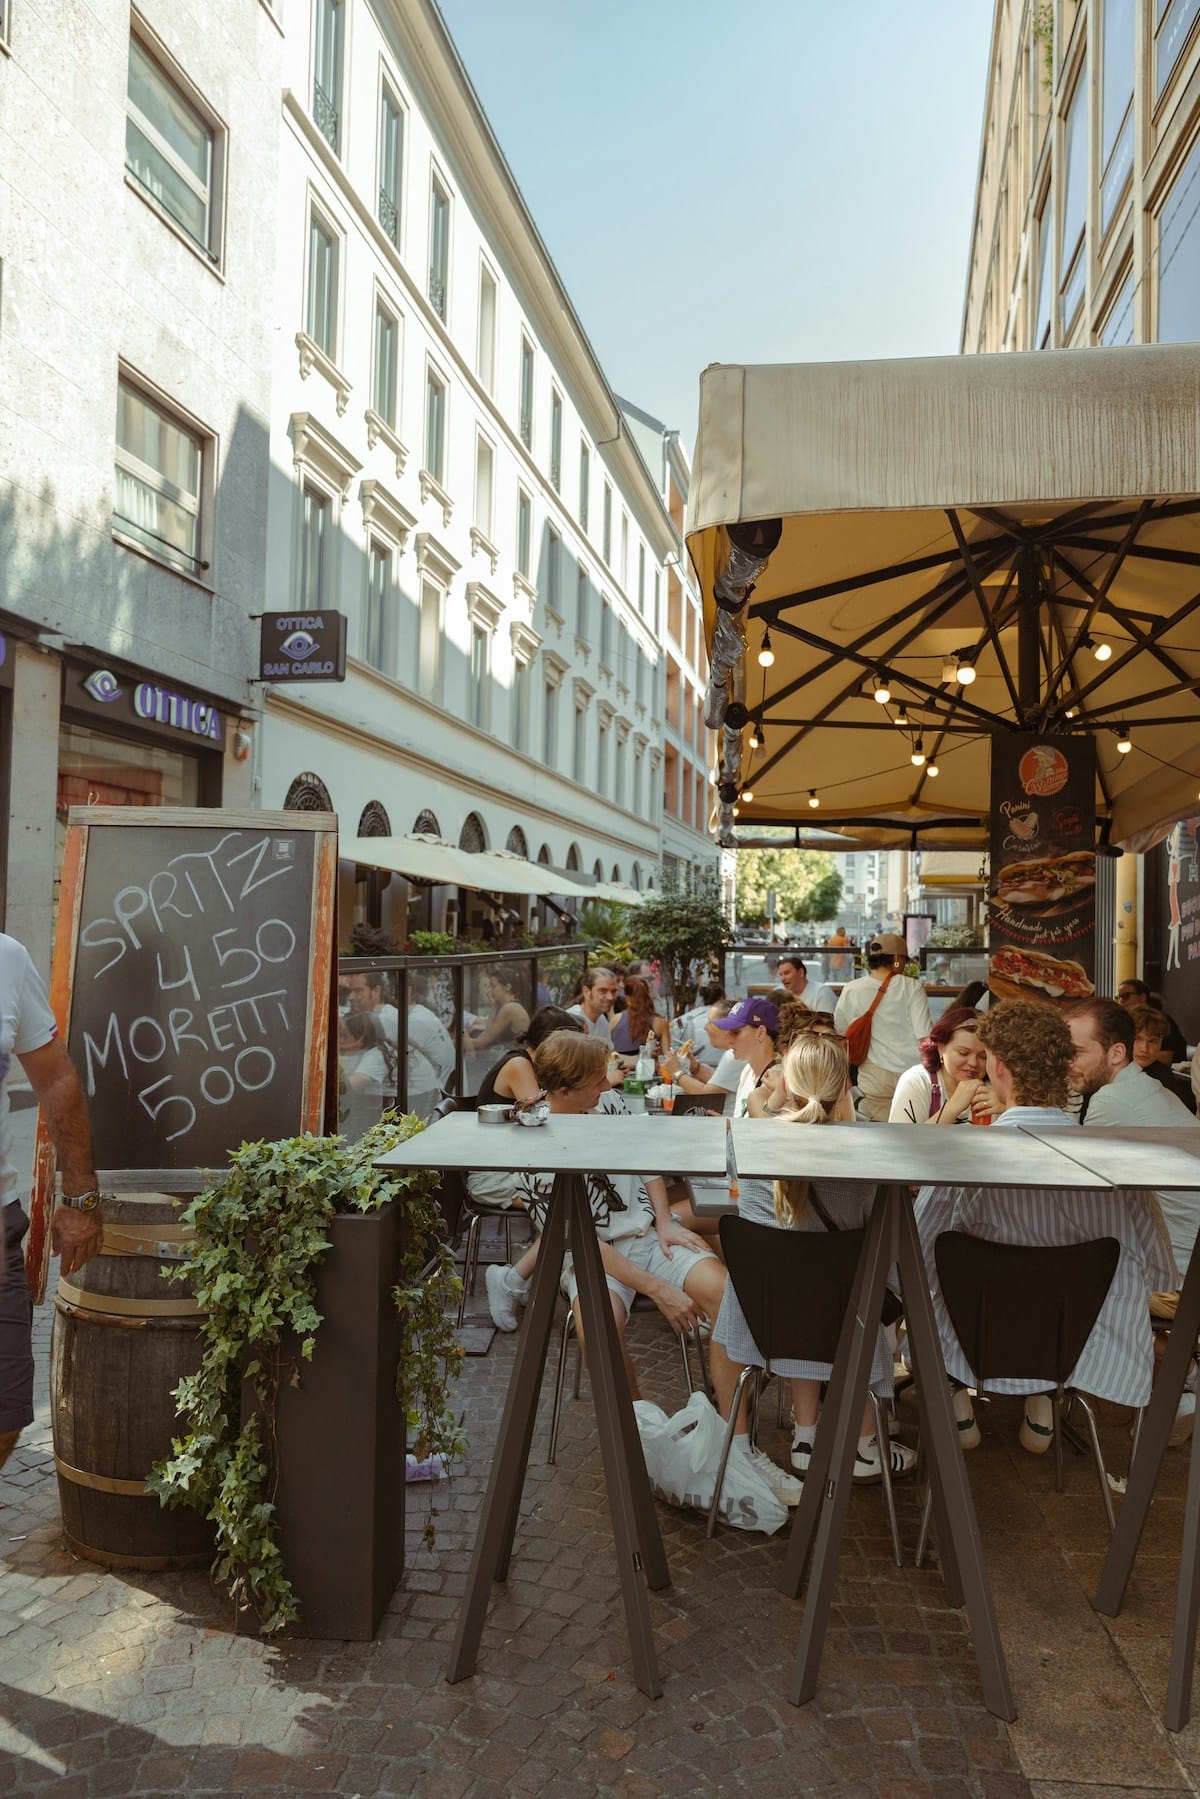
(867, 1465)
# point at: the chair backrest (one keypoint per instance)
(793, 1286)
(1023, 1312)
(698, 1102)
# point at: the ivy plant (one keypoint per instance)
(262, 1230)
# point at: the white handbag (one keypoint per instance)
(683, 1453)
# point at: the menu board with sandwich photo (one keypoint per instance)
(1042, 894)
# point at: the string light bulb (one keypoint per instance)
(747, 795)
(1103, 651)
(918, 754)
(901, 718)
(1124, 741)
(964, 674)
(813, 801)
(755, 737)
(932, 770)
(766, 655)
(883, 692)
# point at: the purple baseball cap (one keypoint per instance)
(751, 1011)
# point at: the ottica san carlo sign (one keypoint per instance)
(302, 646)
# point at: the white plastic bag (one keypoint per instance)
(683, 1454)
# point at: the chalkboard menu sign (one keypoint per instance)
(192, 978)
(1042, 897)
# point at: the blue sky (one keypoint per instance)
(775, 181)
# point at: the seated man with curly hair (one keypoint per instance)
(1029, 1049)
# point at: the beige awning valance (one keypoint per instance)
(429, 859)
(1010, 513)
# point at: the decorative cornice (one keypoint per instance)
(584, 692)
(483, 606)
(379, 431)
(312, 356)
(482, 545)
(606, 713)
(525, 642)
(383, 510)
(432, 489)
(316, 448)
(523, 589)
(434, 558)
(553, 667)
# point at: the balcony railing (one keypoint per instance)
(326, 116)
(437, 294)
(389, 215)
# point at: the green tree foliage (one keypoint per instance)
(800, 879)
(684, 933)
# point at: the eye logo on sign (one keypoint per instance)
(299, 646)
(103, 686)
(306, 646)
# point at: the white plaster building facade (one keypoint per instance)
(138, 158)
(451, 470)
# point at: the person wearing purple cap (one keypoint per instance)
(899, 1018)
(752, 1029)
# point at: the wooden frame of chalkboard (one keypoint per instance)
(192, 982)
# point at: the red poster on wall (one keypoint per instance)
(1042, 895)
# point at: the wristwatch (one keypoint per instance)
(82, 1202)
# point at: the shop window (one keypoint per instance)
(96, 769)
(307, 793)
(160, 474)
(173, 147)
(1179, 256)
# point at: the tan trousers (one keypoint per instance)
(876, 1087)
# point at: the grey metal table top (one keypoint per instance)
(963, 1157)
(691, 1144)
(1130, 1156)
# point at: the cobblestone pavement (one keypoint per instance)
(120, 1683)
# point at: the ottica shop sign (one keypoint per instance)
(100, 691)
(308, 646)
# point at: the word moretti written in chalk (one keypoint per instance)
(189, 1012)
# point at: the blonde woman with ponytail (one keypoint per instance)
(814, 1090)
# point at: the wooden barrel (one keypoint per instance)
(122, 1339)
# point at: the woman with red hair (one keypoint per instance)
(639, 1020)
(947, 1085)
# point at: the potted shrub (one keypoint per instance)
(329, 1294)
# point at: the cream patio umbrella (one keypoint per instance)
(996, 543)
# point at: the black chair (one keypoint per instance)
(794, 1288)
(1022, 1312)
(456, 1198)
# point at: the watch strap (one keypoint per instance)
(82, 1202)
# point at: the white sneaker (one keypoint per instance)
(1185, 1417)
(969, 1434)
(1037, 1426)
(802, 1448)
(786, 1488)
(502, 1301)
(867, 1465)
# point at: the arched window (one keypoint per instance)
(544, 855)
(426, 825)
(308, 793)
(574, 859)
(374, 821)
(616, 873)
(636, 877)
(598, 869)
(517, 842)
(472, 837)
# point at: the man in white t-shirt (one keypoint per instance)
(898, 1023)
(28, 1031)
(814, 994)
(365, 993)
(596, 1002)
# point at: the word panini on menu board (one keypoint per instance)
(192, 977)
(1042, 901)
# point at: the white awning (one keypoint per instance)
(418, 858)
(613, 893)
(499, 871)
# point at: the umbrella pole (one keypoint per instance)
(1029, 632)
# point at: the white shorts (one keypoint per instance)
(647, 1254)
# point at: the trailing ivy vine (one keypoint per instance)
(261, 1232)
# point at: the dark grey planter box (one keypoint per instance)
(341, 1440)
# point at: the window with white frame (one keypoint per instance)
(641, 597)
(1118, 35)
(481, 676)
(172, 147)
(435, 426)
(526, 394)
(603, 754)
(657, 602)
(582, 588)
(605, 634)
(579, 742)
(553, 582)
(391, 161)
(321, 312)
(329, 25)
(485, 337)
(160, 473)
(550, 722)
(585, 485)
(1072, 261)
(387, 363)
(429, 642)
(439, 247)
(606, 539)
(625, 551)
(484, 482)
(380, 625)
(556, 434)
(638, 769)
(519, 704)
(316, 532)
(524, 531)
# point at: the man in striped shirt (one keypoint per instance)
(1029, 1052)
